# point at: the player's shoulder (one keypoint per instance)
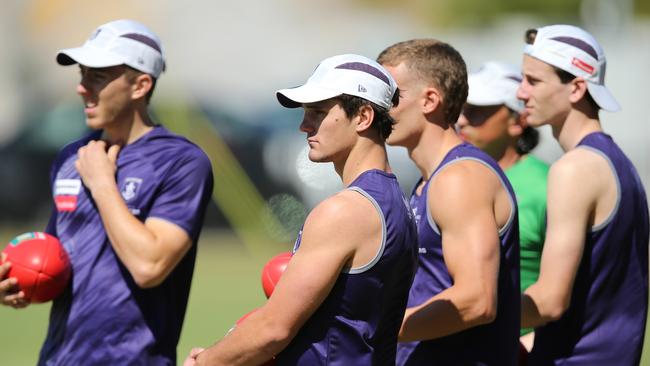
(463, 176)
(579, 163)
(342, 209)
(176, 147)
(579, 170)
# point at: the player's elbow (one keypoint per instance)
(148, 276)
(275, 337)
(555, 308)
(483, 309)
(484, 312)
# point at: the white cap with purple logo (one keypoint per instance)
(575, 51)
(343, 74)
(120, 42)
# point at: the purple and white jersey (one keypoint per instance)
(358, 322)
(605, 322)
(103, 317)
(490, 344)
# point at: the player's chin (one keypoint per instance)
(394, 139)
(535, 121)
(315, 157)
(94, 123)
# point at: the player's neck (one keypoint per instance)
(365, 155)
(509, 158)
(129, 130)
(575, 128)
(433, 146)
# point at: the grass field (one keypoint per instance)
(226, 285)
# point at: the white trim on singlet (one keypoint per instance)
(611, 215)
(511, 217)
(380, 251)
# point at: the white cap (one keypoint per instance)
(575, 51)
(343, 74)
(495, 83)
(120, 42)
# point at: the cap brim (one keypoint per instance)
(296, 97)
(603, 97)
(87, 57)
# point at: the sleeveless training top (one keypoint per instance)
(490, 344)
(605, 322)
(358, 322)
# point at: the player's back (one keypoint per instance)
(358, 322)
(605, 321)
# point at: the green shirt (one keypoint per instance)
(528, 178)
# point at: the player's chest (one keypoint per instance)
(135, 181)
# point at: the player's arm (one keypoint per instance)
(461, 201)
(573, 186)
(149, 250)
(331, 236)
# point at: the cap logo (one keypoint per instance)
(362, 89)
(582, 65)
(360, 66)
(143, 39)
(95, 34)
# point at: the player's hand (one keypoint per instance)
(191, 359)
(97, 165)
(9, 294)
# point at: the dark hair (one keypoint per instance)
(133, 73)
(527, 141)
(439, 64)
(565, 76)
(382, 121)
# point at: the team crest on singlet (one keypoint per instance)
(130, 188)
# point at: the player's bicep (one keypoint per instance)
(470, 240)
(312, 272)
(172, 242)
(570, 203)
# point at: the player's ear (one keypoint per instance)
(142, 84)
(431, 100)
(364, 117)
(578, 89)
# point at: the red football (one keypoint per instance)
(40, 264)
(273, 270)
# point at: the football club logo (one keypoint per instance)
(130, 188)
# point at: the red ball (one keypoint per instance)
(40, 264)
(245, 316)
(273, 270)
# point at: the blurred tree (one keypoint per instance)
(484, 13)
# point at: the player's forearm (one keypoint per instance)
(135, 245)
(447, 313)
(253, 342)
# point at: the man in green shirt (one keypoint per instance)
(491, 120)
